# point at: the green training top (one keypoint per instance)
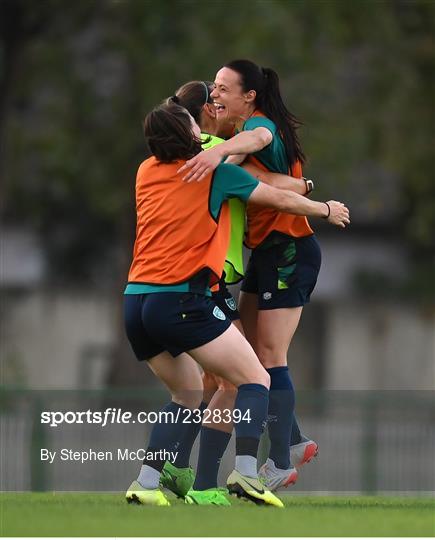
(233, 267)
(272, 156)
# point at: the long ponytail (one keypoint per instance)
(265, 82)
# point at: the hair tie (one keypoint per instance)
(175, 99)
(207, 93)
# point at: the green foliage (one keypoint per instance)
(359, 74)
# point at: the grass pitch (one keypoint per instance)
(77, 514)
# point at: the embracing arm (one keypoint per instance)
(277, 180)
(245, 142)
(292, 203)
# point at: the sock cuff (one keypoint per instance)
(253, 387)
(214, 434)
(274, 370)
(280, 378)
(173, 405)
(247, 446)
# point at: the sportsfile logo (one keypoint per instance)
(112, 416)
(109, 416)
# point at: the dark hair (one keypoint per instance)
(193, 96)
(265, 82)
(168, 132)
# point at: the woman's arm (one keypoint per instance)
(245, 142)
(292, 203)
(236, 159)
(277, 180)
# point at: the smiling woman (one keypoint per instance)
(285, 260)
(181, 241)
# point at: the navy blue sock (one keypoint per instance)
(168, 436)
(212, 446)
(281, 409)
(251, 403)
(296, 436)
(189, 436)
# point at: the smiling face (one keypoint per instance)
(231, 102)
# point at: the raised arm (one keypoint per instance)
(245, 142)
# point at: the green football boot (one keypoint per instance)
(208, 497)
(178, 480)
(139, 495)
(251, 489)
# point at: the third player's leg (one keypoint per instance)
(232, 357)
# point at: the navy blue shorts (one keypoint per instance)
(171, 321)
(226, 301)
(283, 272)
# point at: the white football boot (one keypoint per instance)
(274, 478)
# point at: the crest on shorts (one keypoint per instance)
(231, 303)
(218, 313)
(267, 296)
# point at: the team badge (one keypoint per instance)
(219, 314)
(267, 296)
(231, 303)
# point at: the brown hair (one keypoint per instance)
(194, 95)
(265, 82)
(168, 132)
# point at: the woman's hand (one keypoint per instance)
(338, 214)
(202, 164)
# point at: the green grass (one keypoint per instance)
(77, 514)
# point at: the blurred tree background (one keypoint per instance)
(78, 78)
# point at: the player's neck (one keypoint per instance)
(245, 116)
(208, 125)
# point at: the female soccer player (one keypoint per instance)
(195, 96)
(181, 240)
(285, 259)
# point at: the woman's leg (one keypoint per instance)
(248, 308)
(209, 380)
(269, 351)
(215, 435)
(222, 398)
(231, 357)
(217, 425)
(182, 378)
(274, 332)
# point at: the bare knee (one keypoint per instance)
(271, 356)
(191, 399)
(264, 379)
(223, 399)
(259, 376)
(210, 386)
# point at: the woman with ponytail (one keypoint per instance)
(219, 394)
(285, 259)
(182, 236)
